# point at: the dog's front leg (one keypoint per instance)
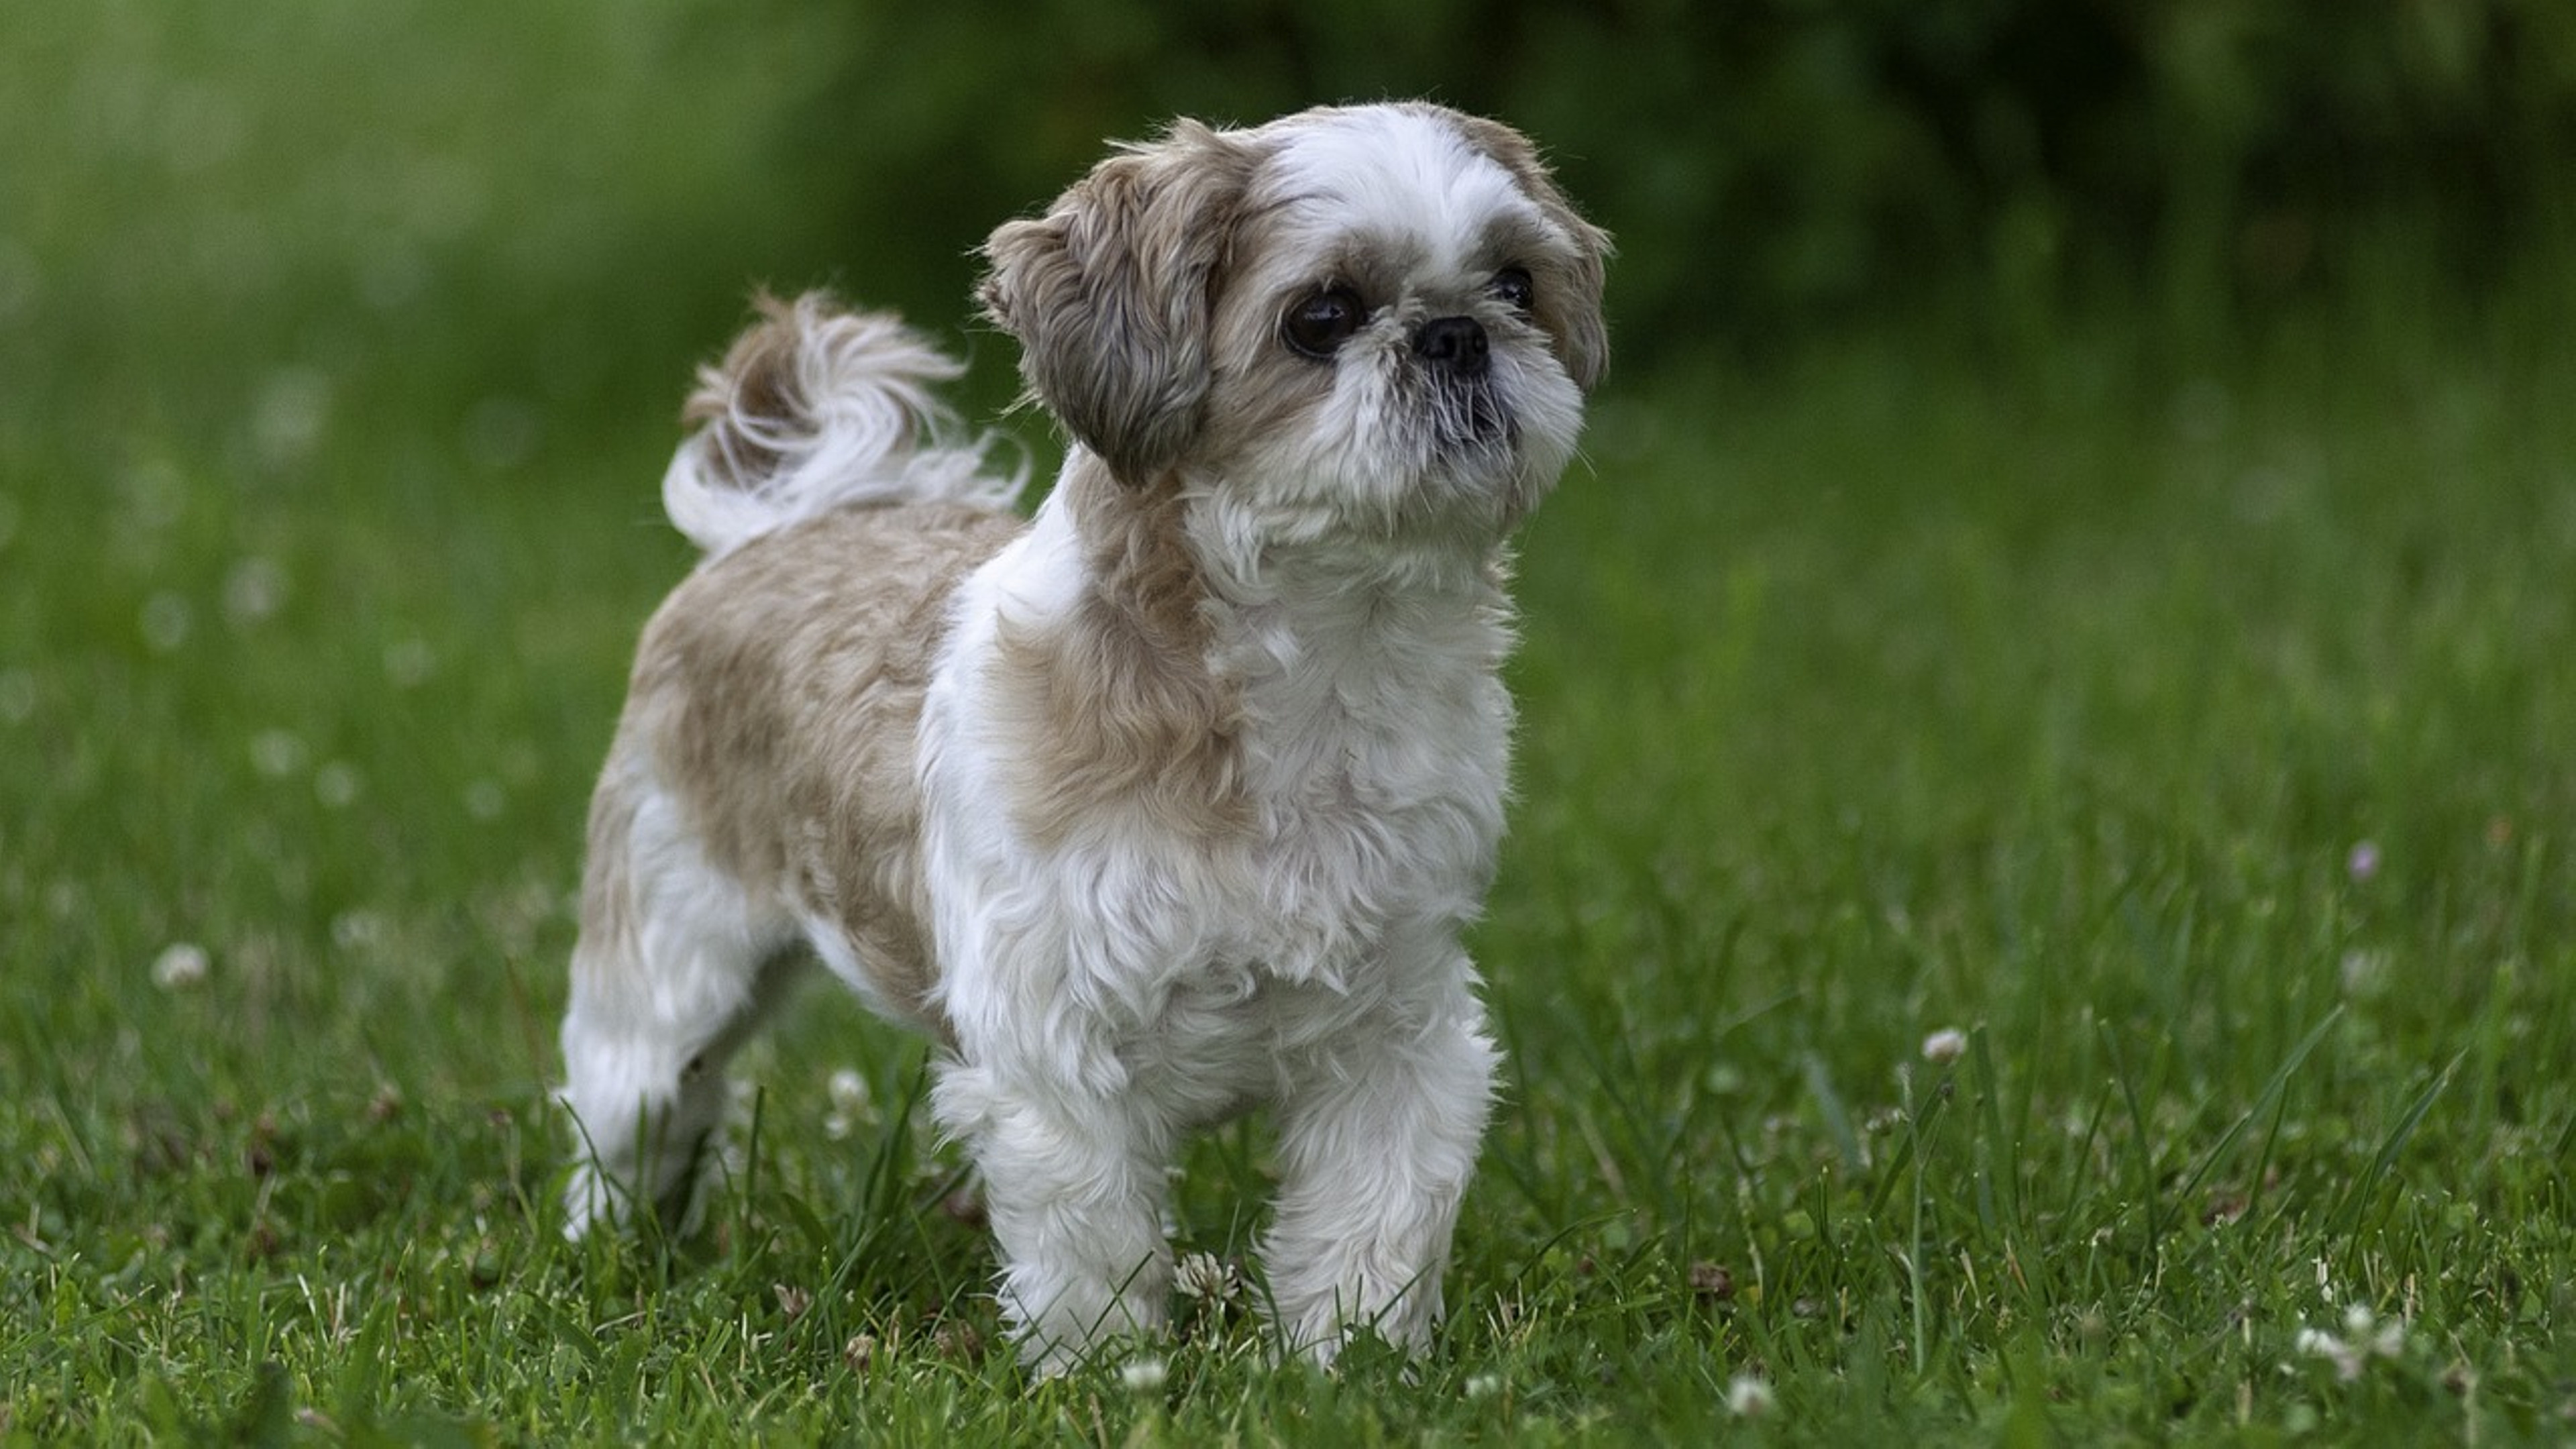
(1074, 1182)
(1377, 1147)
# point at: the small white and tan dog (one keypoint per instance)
(1165, 804)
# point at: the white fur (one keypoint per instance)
(1114, 987)
(642, 1089)
(1401, 173)
(864, 383)
(1115, 993)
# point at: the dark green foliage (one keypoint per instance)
(1767, 166)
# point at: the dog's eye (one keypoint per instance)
(1323, 321)
(1514, 287)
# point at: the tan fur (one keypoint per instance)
(756, 379)
(778, 694)
(1110, 293)
(608, 908)
(1121, 712)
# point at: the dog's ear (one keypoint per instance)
(1569, 303)
(1110, 294)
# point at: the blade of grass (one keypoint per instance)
(1837, 1117)
(2147, 1197)
(2271, 1092)
(2348, 1209)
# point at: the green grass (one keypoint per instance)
(2194, 730)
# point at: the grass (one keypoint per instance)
(2193, 732)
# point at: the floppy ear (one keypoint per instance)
(1569, 305)
(1110, 294)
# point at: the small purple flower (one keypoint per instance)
(2363, 863)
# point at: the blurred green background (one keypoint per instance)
(534, 212)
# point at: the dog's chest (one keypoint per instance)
(1377, 816)
(1375, 754)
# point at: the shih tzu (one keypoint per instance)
(1167, 803)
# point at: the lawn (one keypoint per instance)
(2042, 904)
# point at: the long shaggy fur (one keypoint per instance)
(817, 409)
(1169, 802)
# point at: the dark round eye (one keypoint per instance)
(1513, 286)
(1323, 321)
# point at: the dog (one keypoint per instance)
(1166, 803)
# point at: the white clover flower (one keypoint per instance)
(254, 590)
(336, 784)
(2317, 1343)
(1747, 1396)
(17, 695)
(2364, 973)
(1945, 1046)
(408, 663)
(850, 1098)
(1144, 1375)
(290, 414)
(277, 753)
(166, 620)
(1206, 1277)
(1484, 1386)
(2363, 1338)
(2363, 1329)
(357, 930)
(181, 965)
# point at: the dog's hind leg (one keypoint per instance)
(675, 965)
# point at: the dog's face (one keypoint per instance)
(1379, 320)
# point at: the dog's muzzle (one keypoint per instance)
(1467, 418)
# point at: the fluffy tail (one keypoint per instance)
(817, 408)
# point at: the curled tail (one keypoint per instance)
(816, 408)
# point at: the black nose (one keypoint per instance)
(1453, 344)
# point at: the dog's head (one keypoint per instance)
(1382, 318)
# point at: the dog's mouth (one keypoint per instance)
(1462, 472)
(1467, 416)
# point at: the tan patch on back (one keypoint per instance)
(779, 692)
(1115, 713)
